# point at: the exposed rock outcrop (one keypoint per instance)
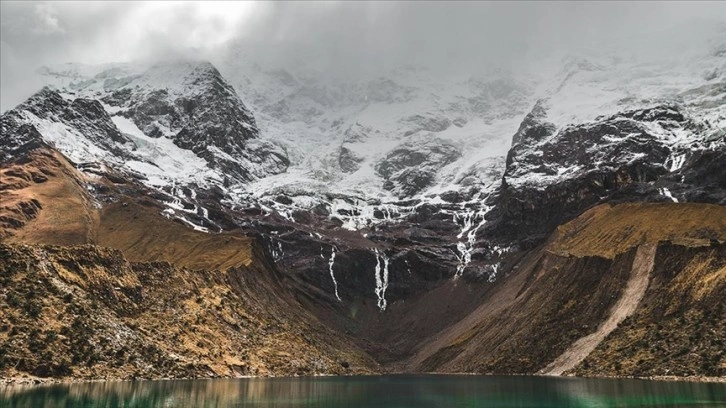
(640, 155)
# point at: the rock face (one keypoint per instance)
(47, 116)
(410, 168)
(18, 139)
(189, 104)
(551, 177)
(199, 111)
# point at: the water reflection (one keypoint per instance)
(375, 391)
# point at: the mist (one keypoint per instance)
(342, 39)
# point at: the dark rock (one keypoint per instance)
(348, 161)
(412, 167)
(618, 158)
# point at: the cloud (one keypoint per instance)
(46, 21)
(340, 37)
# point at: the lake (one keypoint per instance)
(392, 391)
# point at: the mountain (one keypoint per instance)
(623, 290)
(420, 224)
(182, 119)
(113, 289)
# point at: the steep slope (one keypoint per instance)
(188, 303)
(342, 138)
(575, 289)
(86, 312)
(627, 303)
(678, 330)
(44, 200)
(170, 122)
(642, 155)
(610, 127)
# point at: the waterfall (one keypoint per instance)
(381, 279)
(331, 262)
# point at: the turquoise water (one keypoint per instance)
(397, 391)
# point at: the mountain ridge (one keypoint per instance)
(439, 225)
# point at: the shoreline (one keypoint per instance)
(27, 381)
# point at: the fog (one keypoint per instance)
(341, 38)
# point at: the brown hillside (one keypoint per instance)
(186, 303)
(531, 318)
(680, 327)
(43, 200)
(143, 235)
(608, 230)
(567, 289)
(86, 312)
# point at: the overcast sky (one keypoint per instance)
(340, 37)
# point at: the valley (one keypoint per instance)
(180, 220)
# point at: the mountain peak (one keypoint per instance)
(118, 111)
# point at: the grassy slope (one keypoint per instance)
(66, 215)
(608, 230)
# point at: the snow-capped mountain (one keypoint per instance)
(449, 173)
(404, 199)
(181, 122)
(371, 143)
(389, 143)
(616, 130)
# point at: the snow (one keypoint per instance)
(471, 221)
(323, 114)
(170, 213)
(371, 117)
(162, 162)
(677, 162)
(68, 140)
(276, 250)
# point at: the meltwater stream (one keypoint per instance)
(396, 391)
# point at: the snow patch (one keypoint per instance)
(471, 221)
(677, 162)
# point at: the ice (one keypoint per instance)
(68, 140)
(677, 162)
